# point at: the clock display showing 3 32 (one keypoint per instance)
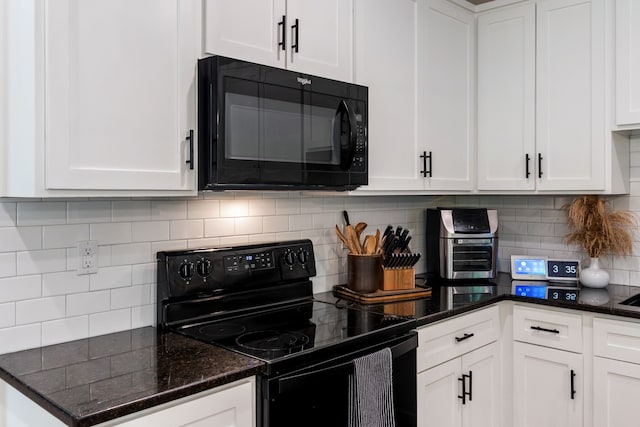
(526, 267)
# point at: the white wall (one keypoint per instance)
(43, 301)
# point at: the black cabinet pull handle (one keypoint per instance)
(190, 159)
(464, 337)
(573, 389)
(540, 165)
(465, 393)
(538, 328)
(295, 28)
(526, 162)
(424, 156)
(463, 396)
(283, 34)
(470, 386)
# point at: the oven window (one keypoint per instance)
(277, 124)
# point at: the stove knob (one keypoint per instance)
(303, 256)
(186, 270)
(289, 258)
(203, 267)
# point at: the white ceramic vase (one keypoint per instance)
(593, 276)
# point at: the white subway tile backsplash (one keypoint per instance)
(273, 224)
(110, 277)
(88, 212)
(219, 227)
(8, 264)
(168, 210)
(111, 233)
(130, 297)
(63, 236)
(109, 321)
(42, 213)
(186, 229)
(39, 310)
(262, 207)
(249, 225)
(63, 330)
(131, 210)
(64, 283)
(20, 338)
(8, 214)
(234, 208)
(45, 261)
(88, 303)
(151, 231)
(7, 314)
(132, 253)
(20, 239)
(39, 286)
(200, 209)
(20, 288)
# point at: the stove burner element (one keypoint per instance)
(273, 341)
(222, 330)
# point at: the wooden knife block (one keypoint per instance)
(398, 279)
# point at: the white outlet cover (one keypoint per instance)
(87, 257)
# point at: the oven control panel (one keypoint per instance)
(199, 271)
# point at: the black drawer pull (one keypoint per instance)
(526, 162)
(573, 388)
(464, 337)
(538, 328)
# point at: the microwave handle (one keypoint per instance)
(348, 149)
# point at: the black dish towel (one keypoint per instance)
(371, 391)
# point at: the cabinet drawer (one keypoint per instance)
(548, 328)
(616, 339)
(459, 335)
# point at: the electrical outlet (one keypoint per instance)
(87, 257)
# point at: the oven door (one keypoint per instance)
(318, 395)
(273, 130)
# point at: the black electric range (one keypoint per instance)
(258, 300)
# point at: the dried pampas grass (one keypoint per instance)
(598, 229)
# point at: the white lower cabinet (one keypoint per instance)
(231, 405)
(547, 387)
(459, 372)
(444, 401)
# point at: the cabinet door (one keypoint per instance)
(506, 99)
(246, 29)
(627, 62)
(570, 133)
(438, 390)
(232, 407)
(446, 88)
(385, 61)
(542, 387)
(323, 37)
(483, 407)
(120, 93)
(615, 387)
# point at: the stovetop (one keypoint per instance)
(307, 327)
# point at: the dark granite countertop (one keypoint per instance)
(449, 300)
(98, 379)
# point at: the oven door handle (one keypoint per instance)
(295, 381)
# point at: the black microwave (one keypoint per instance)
(265, 128)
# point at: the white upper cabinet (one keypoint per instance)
(506, 99)
(388, 29)
(103, 97)
(628, 63)
(119, 94)
(446, 95)
(570, 96)
(542, 106)
(303, 35)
